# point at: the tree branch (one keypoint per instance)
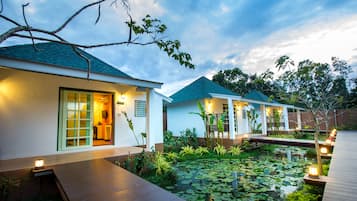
(27, 25)
(75, 15)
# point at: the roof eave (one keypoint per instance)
(55, 70)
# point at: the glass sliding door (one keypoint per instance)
(76, 114)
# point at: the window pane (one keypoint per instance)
(84, 132)
(71, 123)
(72, 115)
(71, 101)
(71, 143)
(84, 123)
(71, 133)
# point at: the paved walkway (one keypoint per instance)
(342, 182)
(102, 180)
(50, 160)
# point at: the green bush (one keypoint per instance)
(306, 193)
(189, 138)
(220, 150)
(201, 150)
(234, 150)
(187, 150)
(300, 135)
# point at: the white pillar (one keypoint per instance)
(286, 118)
(150, 141)
(264, 119)
(298, 117)
(231, 118)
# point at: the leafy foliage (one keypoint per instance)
(220, 150)
(201, 150)
(131, 126)
(252, 120)
(160, 164)
(307, 193)
(234, 150)
(187, 150)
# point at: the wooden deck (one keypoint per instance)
(102, 180)
(50, 160)
(342, 182)
(285, 141)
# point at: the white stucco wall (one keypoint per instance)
(179, 118)
(29, 106)
(155, 125)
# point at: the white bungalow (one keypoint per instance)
(48, 105)
(217, 100)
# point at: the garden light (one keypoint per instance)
(328, 141)
(323, 150)
(39, 164)
(245, 136)
(313, 172)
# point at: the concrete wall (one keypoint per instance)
(29, 106)
(179, 118)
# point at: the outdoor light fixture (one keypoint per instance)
(323, 150)
(313, 172)
(122, 100)
(39, 164)
(328, 141)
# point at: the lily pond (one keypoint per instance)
(260, 177)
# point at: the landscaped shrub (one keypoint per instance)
(201, 150)
(234, 150)
(299, 135)
(306, 193)
(220, 150)
(189, 137)
(172, 157)
(187, 150)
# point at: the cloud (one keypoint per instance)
(317, 40)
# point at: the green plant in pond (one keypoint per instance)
(187, 150)
(201, 150)
(234, 150)
(220, 150)
(131, 126)
(161, 165)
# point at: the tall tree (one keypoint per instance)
(150, 31)
(313, 85)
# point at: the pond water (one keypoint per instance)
(263, 177)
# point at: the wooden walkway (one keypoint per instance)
(285, 141)
(342, 182)
(102, 180)
(63, 158)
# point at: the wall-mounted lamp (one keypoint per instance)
(39, 164)
(313, 172)
(122, 99)
(324, 150)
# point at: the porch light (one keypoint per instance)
(39, 164)
(323, 150)
(122, 99)
(313, 172)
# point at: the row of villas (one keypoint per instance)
(49, 104)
